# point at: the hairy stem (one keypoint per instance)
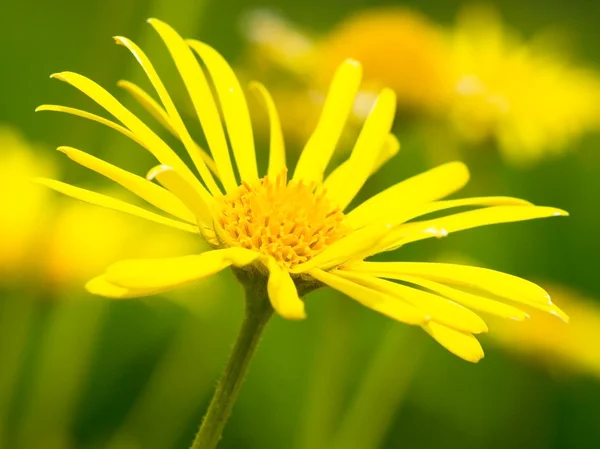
(258, 313)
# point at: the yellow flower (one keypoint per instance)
(568, 347)
(69, 256)
(398, 48)
(293, 234)
(533, 102)
(49, 242)
(25, 213)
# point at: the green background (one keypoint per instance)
(150, 365)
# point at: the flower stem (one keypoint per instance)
(258, 313)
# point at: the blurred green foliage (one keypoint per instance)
(138, 374)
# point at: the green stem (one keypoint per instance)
(258, 313)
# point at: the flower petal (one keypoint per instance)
(390, 147)
(234, 106)
(153, 194)
(160, 115)
(414, 232)
(102, 287)
(462, 344)
(175, 118)
(173, 272)
(495, 282)
(90, 116)
(283, 294)
(470, 300)
(429, 186)
(362, 161)
(112, 203)
(150, 140)
(338, 105)
(149, 104)
(277, 164)
(202, 98)
(399, 216)
(146, 101)
(438, 309)
(370, 298)
(179, 187)
(346, 248)
(388, 150)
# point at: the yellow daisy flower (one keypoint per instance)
(531, 100)
(565, 348)
(285, 234)
(29, 210)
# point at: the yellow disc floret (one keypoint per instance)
(290, 222)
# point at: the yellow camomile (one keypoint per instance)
(531, 100)
(294, 230)
(299, 65)
(28, 210)
(49, 241)
(567, 348)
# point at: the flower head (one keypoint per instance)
(295, 230)
(397, 47)
(29, 209)
(532, 101)
(50, 240)
(564, 347)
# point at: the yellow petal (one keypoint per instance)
(90, 116)
(495, 282)
(156, 111)
(338, 105)
(175, 118)
(342, 189)
(102, 287)
(470, 300)
(462, 344)
(346, 248)
(389, 149)
(429, 186)
(173, 272)
(435, 307)
(400, 216)
(112, 203)
(370, 298)
(184, 191)
(149, 104)
(234, 107)
(202, 98)
(413, 232)
(153, 194)
(283, 294)
(277, 164)
(145, 135)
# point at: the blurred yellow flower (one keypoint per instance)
(71, 255)
(398, 48)
(50, 242)
(531, 100)
(285, 237)
(25, 205)
(478, 77)
(571, 348)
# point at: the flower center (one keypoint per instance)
(287, 221)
